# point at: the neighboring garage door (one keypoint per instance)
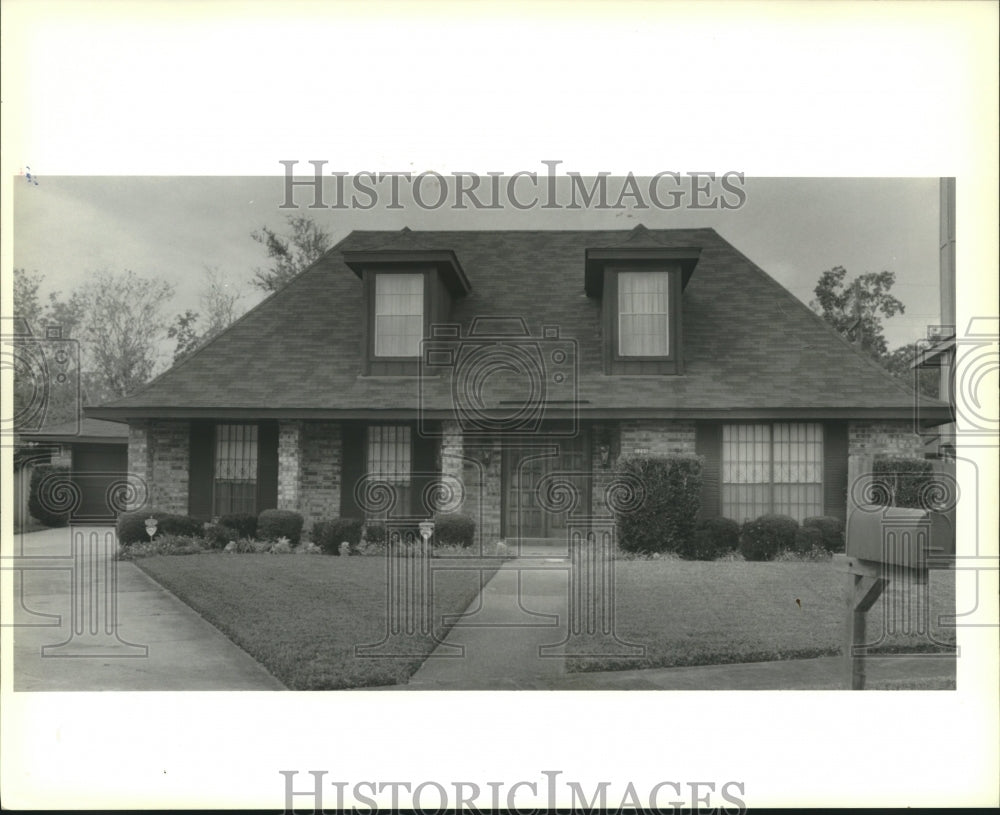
(96, 468)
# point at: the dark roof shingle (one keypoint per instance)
(748, 344)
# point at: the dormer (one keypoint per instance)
(640, 283)
(406, 290)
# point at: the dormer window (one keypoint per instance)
(643, 314)
(640, 283)
(399, 314)
(406, 291)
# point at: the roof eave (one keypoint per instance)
(444, 260)
(597, 259)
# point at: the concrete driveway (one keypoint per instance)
(65, 638)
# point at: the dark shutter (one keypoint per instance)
(424, 468)
(267, 466)
(201, 463)
(353, 467)
(835, 469)
(708, 443)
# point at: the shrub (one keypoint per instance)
(374, 532)
(454, 530)
(830, 529)
(248, 546)
(217, 536)
(328, 535)
(44, 506)
(242, 523)
(765, 537)
(712, 538)
(131, 526)
(808, 538)
(279, 523)
(282, 546)
(900, 481)
(665, 517)
(377, 533)
(162, 545)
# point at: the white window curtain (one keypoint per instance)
(772, 468)
(399, 314)
(643, 319)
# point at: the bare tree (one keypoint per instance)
(220, 302)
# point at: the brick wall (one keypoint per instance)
(158, 452)
(895, 438)
(289, 464)
(657, 437)
(321, 457)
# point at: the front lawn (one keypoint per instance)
(301, 616)
(704, 613)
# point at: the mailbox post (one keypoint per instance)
(884, 544)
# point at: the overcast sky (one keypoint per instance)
(174, 227)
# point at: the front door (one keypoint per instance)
(545, 480)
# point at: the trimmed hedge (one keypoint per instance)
(131, 526)
(374, 531)
(713, 537)
(900, 481)
(328, 535)
(831, 530)
(217, 535)
(665, 519)
(765, 537)
(808, 538)
(242, 523)
(279, 523)
(454, 530)
(43, 511)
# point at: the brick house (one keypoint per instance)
(478, 368)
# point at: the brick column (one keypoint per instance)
(289, 464)
(139, 465)
(321, 471)
(168, 451)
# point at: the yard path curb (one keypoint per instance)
(185, 651)
(508, 631)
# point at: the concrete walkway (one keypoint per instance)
(511, 634)
(161, 644)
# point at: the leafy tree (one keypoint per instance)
(27, 305)
(856, 309)
(36, 400)
(898, 364)
(184, 334)
(121, 328)
(289, 254)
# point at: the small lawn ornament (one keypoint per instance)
(151, 524)
(426, 530)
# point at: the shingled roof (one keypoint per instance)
(85, 431)
(750, 348)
